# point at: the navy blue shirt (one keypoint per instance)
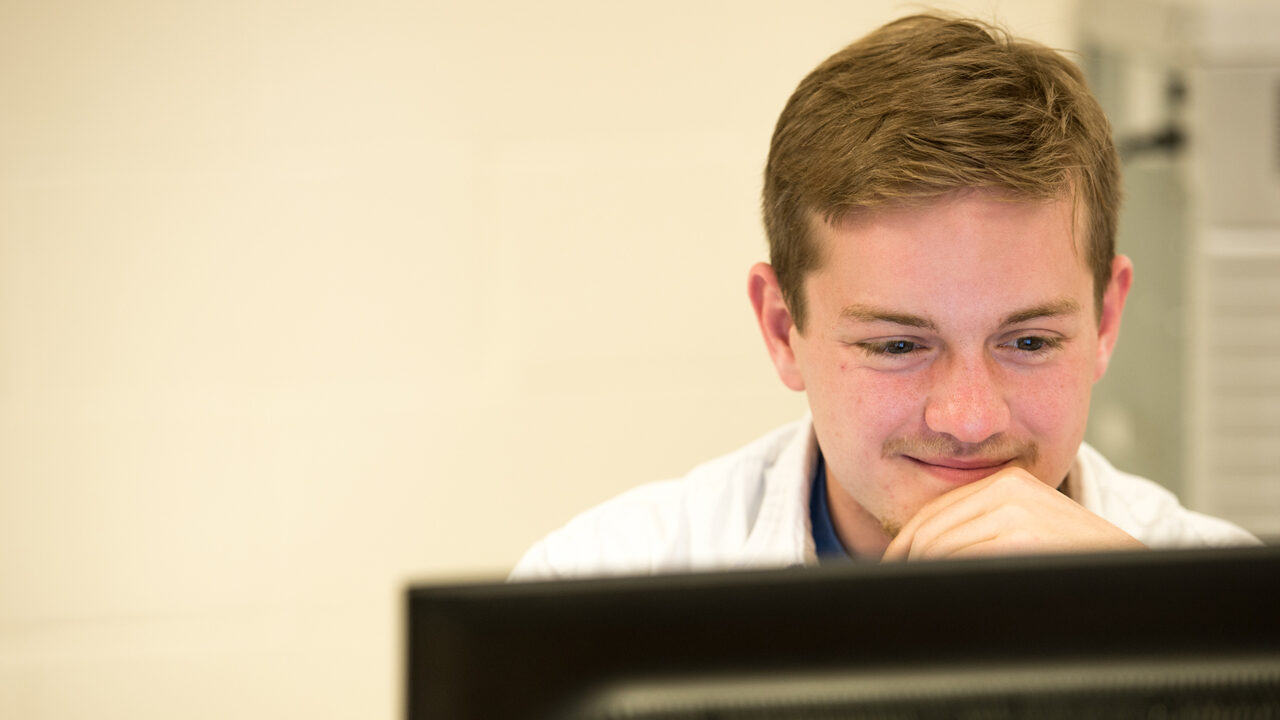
(825, 541)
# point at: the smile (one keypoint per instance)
(959, 470)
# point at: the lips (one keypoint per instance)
(959, 470)
(962, 463)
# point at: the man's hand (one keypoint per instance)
(1010, 512)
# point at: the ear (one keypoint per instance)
(1112, 308)
(775, 323)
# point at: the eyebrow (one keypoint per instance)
(1056, 308)
(866, 313)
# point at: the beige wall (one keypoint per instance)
(299, 300)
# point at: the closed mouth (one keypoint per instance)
(961, 463)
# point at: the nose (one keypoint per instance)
(966, 400)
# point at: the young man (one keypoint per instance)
(940, 202)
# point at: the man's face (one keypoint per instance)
(942, 343)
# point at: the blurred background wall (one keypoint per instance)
(301, 301)
(1192, 88)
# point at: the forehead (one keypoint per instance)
(958, 248)
(990, 207)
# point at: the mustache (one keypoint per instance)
(934, 446)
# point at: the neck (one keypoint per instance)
(861, 533)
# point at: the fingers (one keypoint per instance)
(946, 510)
(1007, 513)
(999, 529)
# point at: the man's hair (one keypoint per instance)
(929, 105)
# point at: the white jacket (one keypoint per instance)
(750, 508)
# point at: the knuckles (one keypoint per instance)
(1012, 479)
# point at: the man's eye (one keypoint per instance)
(890, 347)
(1036, 344)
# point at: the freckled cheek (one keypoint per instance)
(871, 407)
(1050, 407)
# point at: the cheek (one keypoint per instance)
(866, 407)
(1052, 407)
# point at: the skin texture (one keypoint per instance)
(948, 355)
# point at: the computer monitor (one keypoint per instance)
(1175, 634)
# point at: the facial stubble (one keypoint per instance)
(1019, 453)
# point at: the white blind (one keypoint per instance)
(1239, 425)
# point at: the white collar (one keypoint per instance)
(781, 534)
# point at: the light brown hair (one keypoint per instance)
(928, 105)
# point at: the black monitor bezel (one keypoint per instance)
(516, 650)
